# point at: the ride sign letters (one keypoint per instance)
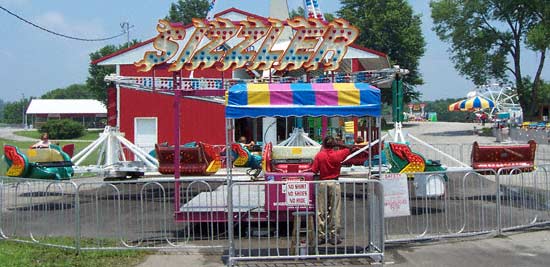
(315, 44)
(297, 194)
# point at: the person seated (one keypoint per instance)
(43, 143)
(360, 141)
(242, 141)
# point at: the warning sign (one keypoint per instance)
(396, 195)
(297, 194)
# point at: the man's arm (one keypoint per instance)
(344, 151)
(315, 165)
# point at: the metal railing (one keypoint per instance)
(105, 215)
(464, 203)
(91, 214)
(282, 230)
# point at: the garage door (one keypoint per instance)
(145, 133)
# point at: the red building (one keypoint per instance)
(145, 113)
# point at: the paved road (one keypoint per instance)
(7, 133)
(513, 249)
(524, 249)
(447, 132)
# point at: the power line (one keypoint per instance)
(63, 35)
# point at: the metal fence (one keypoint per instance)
(472, 203)
(278, 231)
(541, 136)
(92, 214)
(462, 152)
(84, 214)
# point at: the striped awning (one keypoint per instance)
(455, 106)
(303, 99)
(477, 102)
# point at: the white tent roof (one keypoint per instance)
(66, 106)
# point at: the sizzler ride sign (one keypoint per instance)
(314, 44)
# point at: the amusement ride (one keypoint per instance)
(299, 68)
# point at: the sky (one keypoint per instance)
(35, 62)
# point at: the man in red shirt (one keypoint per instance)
(327, 164)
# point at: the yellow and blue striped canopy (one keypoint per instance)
(455, 106)
(477, 102)
(302, 99)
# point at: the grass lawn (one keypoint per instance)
(17, 254)
(89, 135)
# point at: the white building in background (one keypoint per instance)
(90, 112)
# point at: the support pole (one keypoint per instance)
(370, 141)
(324, 126)
(269, 130)
(379, 133)
(78, 158)
(229, 177)
(177, 96)
(355, 127)
(369, 146)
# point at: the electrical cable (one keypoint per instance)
(60, 34)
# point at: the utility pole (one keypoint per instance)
(126, 28)
(23, 118)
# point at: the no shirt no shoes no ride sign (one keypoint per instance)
(297, 194)
(396, 195)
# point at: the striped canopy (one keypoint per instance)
(455, 106)
(477, 102)
(302, 99)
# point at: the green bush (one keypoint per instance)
(62, 129)
(486, 132)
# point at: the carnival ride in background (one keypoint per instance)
(196, 158)
(504, 98)
(293, 155)
(113, 152)
(268, 200)
(116, 157)
(40, 163)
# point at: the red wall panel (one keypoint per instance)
(356, 65)
(200, 120)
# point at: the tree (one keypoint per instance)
(74, 91)
(62, 129)
(184, 10)
(544, 96)
(2, 105)
(95, 82)
(441, 107)
(300, 12)
(391, 27)
(329, 16)
(485, 35)
(13, 111)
